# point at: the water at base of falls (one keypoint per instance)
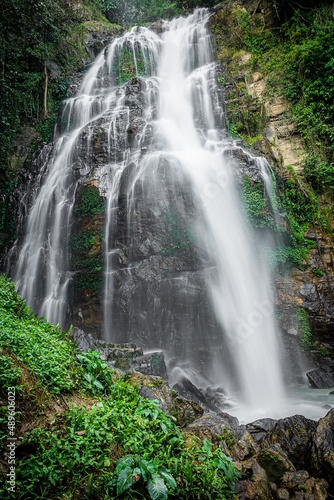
(182, 269)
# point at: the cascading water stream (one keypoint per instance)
(185, 262)
(188, 114)
(241, 290)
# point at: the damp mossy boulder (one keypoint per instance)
(150, 387)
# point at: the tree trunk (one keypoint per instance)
(45, 91)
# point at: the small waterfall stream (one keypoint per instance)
(186, 261)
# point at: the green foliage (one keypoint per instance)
(302, 209)
(245, 116)
(9, 377)
(86, 440)
(130, 12)
(132, 468)
(79, 452)
(29, 31)
(83, 241)
(42, 346)
(130, 63)
(91, 202)
(317, 271)
(323, 351)
(298, 59)
(91, 281)
(93, 263)
(96, 377)
(82, 450)
(307, 340)
(319, 173)
(254, 204)
(217, 482)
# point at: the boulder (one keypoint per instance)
(320, 379)
(152, 387)
(214, 428)
(293, 480)
(322, 450)
(188, 390)
(282, 494)
(275, 463)
(259, 429)
(151, 364)
(253, 490)
(83, 341)
(293, 434)
(319, 491)
(241, 450)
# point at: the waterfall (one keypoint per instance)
(182, 269)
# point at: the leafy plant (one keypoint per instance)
(96, 375)
(307, 339)
(37, 343)
(131, 469)
(91, 202)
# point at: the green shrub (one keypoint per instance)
(307, 340)
(91, 202)
(42, 346)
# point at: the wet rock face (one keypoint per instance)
(122, 357)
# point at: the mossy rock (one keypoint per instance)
(275, 463)
(184, 411)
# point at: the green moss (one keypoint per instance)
(90, 203)
(273, 466)
(226, 436)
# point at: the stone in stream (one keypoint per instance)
(320, 378)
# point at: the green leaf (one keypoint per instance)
(87, 377)
(207, 447)
(124, 462)
(166, 475)
(143, 467)
(157, 488)
(164, 427)
(152, 468)
(125, 480)
(98, 384)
